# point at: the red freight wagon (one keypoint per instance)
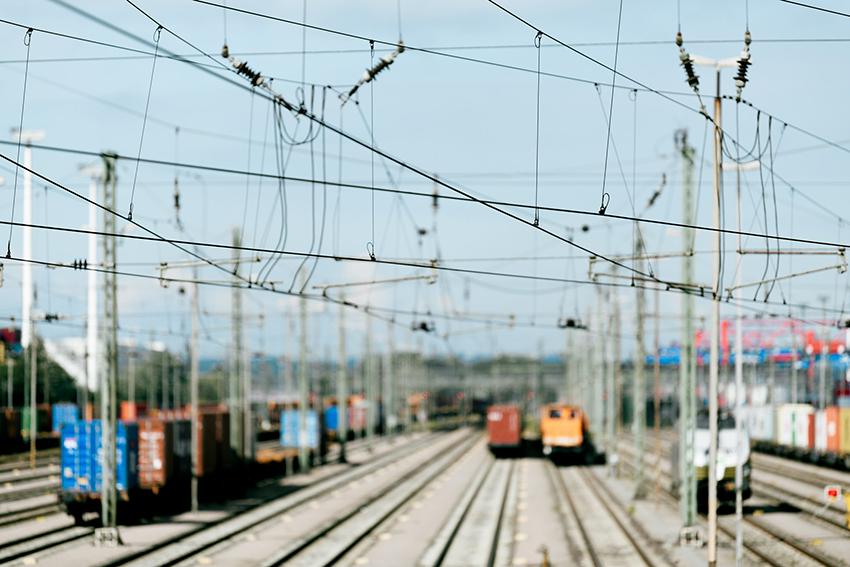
(504, 428)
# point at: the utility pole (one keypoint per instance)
(610, 388)
(618, 369)
(715, 336)
(656, 389)
(568, 367)
(793, 363)
(598, 376)
(639, 386)
(131, 377)
(247, 421)
(33, 352)
(303, 368)
(342, 385)
(10, 379)
(95, 171)
(389, 377)
(687, 358)
(742, 64)
(824, 355)
(27, 137)
(108, 533)
(163, 377)
(739, 391)
(369, 386)
(234, 391)
(193, 392)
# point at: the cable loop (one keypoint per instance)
(157, 33)
(632, 94)
(537, 39)
(606, 198)
(370, 249)
(28, 36)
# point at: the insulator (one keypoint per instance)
(679, 39)
(243, 69)
(688, 65)
(743, 64)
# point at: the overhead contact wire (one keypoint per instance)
(156, 36)
(27, 42)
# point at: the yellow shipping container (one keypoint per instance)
(844, 431)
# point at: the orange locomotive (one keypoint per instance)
(563, 429)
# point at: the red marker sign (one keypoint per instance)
(832, 492)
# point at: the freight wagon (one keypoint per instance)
(798, 431)
(504, 429)
(154, 468)
(82, 467)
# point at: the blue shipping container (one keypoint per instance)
(75, 456)
(64, 413)
(331, 418)
(289, 430)
(82, 459)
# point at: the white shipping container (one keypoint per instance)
(820, 431)
(760, 422)
(792, 425)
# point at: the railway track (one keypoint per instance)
(198, 543)
(66, 537)
(765, 541)
(770, 480)
(608, 537)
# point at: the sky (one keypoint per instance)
(474, 124)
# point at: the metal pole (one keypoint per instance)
(568, 362)
(131, 377)
(599, 371)
(26, 266)
(303, 366)
(33, 352)
(164, 379)
(10, 380)
(618, 370)
(247, 421)
(234, 391)
(639, 387)
(793, 363)
(390, 419)
(824, 355)
(371, 398)
(687, 358)
(108, 534)
(656, 389)
(175, 384)
(193, 388)
(610, 389)
(342, 385)
(739, 392)
(715, 340)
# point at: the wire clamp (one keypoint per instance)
(606, 198)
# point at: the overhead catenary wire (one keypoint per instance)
(537, 41)
(202, 54)
(441, 196)
(313, 118)
(27, 42)
(369, 310)
(606, 198)
(156, 36)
